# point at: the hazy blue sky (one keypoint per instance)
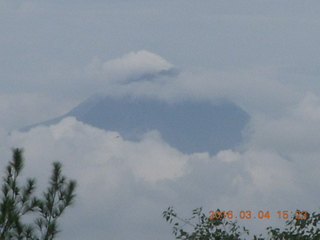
(261, 55)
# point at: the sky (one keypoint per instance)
(261, 55)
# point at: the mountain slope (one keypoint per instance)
(188, 126)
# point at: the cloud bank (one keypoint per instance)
(139, 180)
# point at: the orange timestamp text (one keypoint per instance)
(257, 215)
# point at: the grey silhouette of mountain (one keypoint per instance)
(188, 126)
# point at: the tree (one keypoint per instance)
(16, 202)
(305, 228)
(218, 227)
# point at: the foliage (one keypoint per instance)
(17, 201)
(205, 228)
(223, 229)
(298, 229)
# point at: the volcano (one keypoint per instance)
(188, 126)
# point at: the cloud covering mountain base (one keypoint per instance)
(126, 183)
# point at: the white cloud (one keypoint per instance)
(141, 179)
(228, 156)
(151, 159)
(309, 108)
(268, 178)
(131, 67)
(294, 132)
(248, 88)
